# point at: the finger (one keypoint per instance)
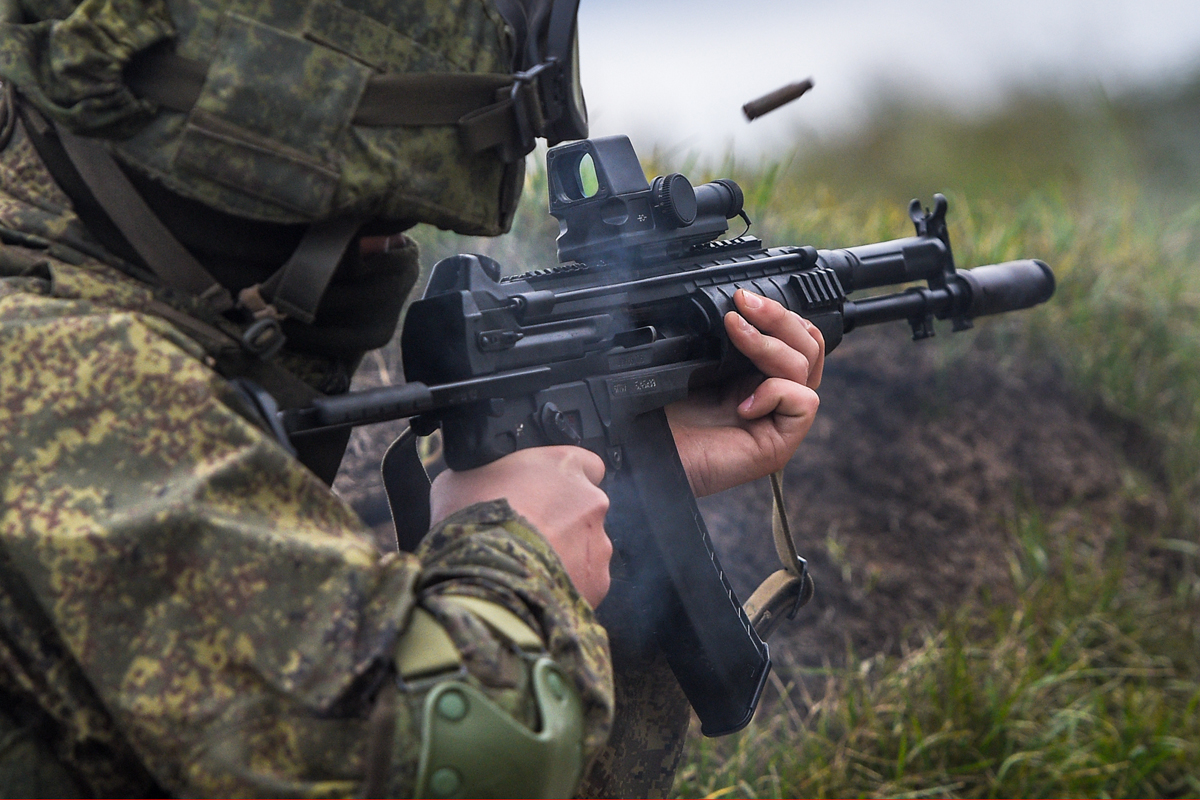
(592, 467)
(591, 464)
(772, 356)
(773, 319)
(601, 557)
(816, 368)
(782, 398)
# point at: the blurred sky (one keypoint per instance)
(677, 73)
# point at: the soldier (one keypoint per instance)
(199, 201)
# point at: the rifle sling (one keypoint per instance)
(406, 484)
(782, 594)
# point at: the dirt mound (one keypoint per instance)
(903, 495)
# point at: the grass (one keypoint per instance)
(1087, 687)
(1088, 684)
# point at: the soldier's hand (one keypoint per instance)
(558, 490)
(731, 434)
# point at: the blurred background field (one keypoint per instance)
(1003, 523)
(1077, 673)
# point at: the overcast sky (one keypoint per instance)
(677, 73)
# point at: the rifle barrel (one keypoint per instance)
(992, 289)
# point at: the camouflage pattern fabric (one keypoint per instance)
(270, 137)
(32, 769)
(183, 607)
(649, 728)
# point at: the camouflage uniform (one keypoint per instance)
(183, 607)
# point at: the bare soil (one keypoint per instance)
(904, 495)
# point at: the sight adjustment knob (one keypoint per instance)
(674, 199)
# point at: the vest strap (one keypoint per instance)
(490, 109)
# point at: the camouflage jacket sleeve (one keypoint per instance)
(180, 596)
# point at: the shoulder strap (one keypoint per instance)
(295, 290)
(147, 235)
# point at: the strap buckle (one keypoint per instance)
(786, 590)
(264, 338)
(531, 116)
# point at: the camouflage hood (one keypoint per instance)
(291, 111)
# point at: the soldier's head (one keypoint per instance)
(295, 111)
(267, 135)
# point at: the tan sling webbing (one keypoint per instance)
(782, 594)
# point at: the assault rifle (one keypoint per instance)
(588, 353)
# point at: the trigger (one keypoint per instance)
(556, 426)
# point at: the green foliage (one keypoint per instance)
(1088, 687)
(1089, 684)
